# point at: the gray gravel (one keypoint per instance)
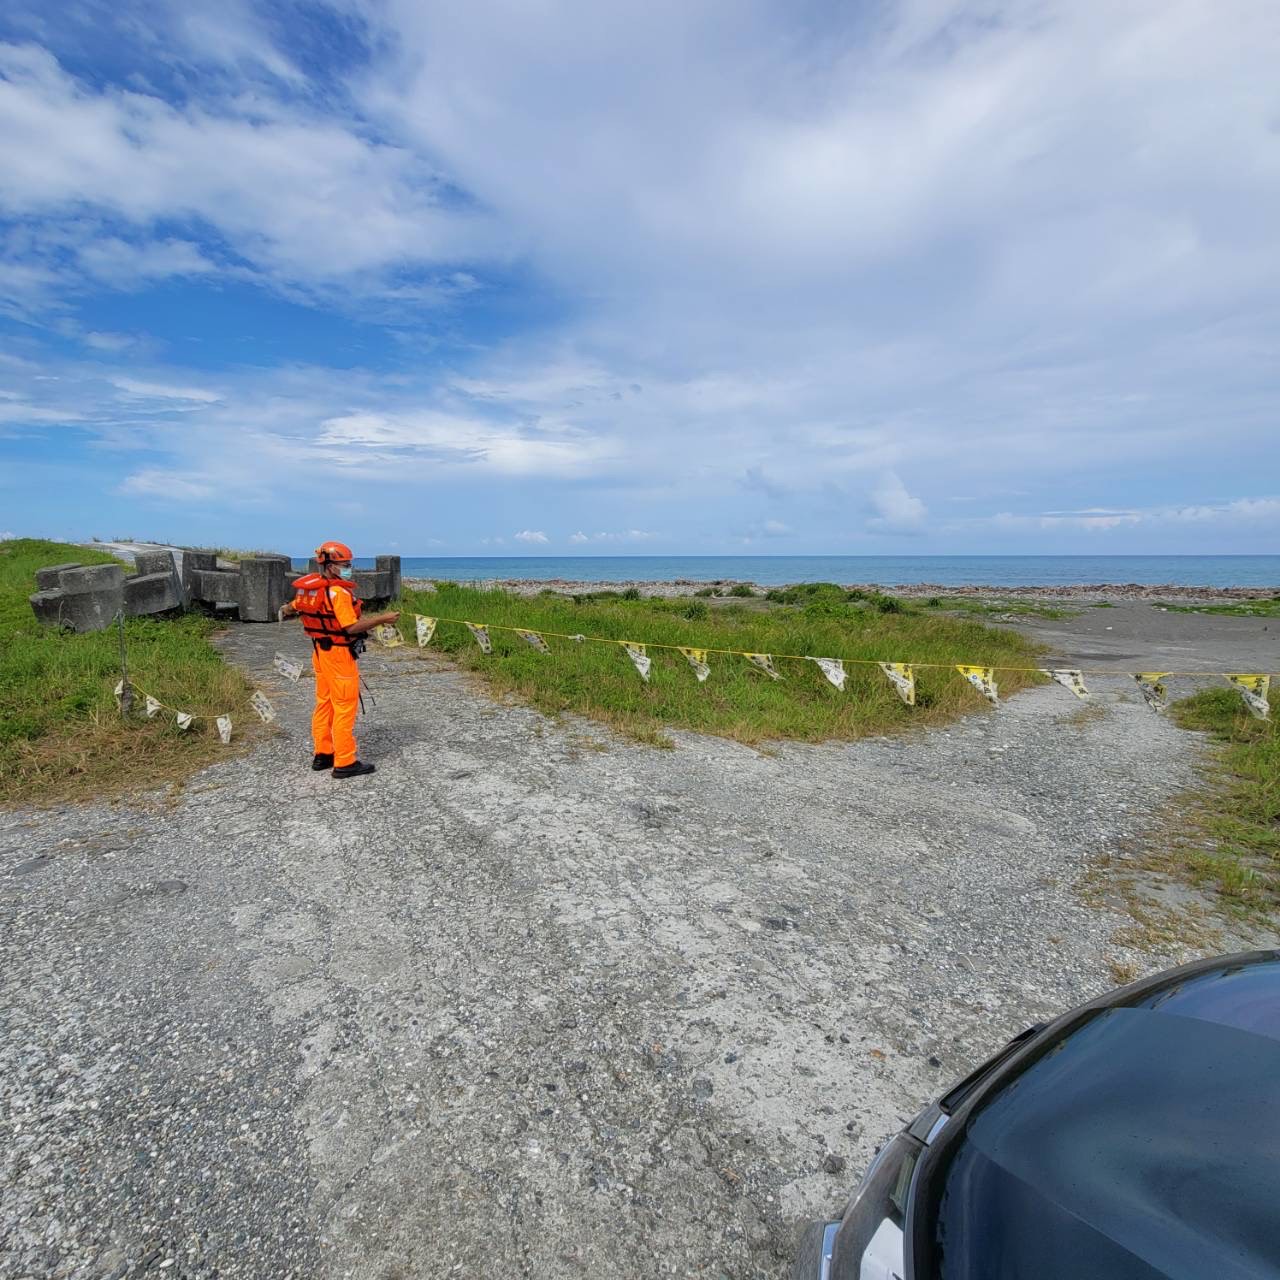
(532, 1001)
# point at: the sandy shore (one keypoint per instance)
(688, 587)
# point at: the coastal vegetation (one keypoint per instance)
(737, 701)
(61, 733)
(1234, 608)
(1232, 833)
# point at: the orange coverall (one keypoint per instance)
(337, 690)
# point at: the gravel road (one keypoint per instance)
(532, 1001)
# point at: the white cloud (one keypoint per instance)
(305, 198)
(107, 341)
(172, 486)
(794, 267)
(128, 265)
(896, 510)
(1243, 512)
(531, 535)
(462, 441)
(160, 391)
(622, 535)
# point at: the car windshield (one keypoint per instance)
(1145, 1144)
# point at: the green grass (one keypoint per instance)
(985, 608)
(1236, 609)
(60, 731)
(737, 701)
(1239, 811)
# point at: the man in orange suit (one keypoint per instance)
(331, 616)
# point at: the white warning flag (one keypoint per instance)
(764, 662)
(833, 669)
(641, 659)
(1152, 685)
(533, 640)
(481, 633)
(224, 729)
(697, 659)
(184, 719)
(153, 705)
(578, 639)
(983, 679)
(1072, 680)
(124, 696)
(424, 628)
(287, 667)
(903, 679)
(388, 635)
(1253, 689)
(260, 703)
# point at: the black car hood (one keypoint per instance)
(1144, 1144)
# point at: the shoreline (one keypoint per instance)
(983, 591)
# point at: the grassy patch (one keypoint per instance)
(1235, 609)
(61, 734)
(739, 702)
(1233, 835)
(981, 608)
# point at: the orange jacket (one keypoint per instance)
(327, 607)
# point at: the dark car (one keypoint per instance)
(1134, 1138)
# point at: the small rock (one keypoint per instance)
(833, 1163)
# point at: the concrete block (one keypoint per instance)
(81, 611)
(389, 565)
(148, 562)
(194, 562)
(147, 593)
(264, 587)
(215, 586)
(47, 606)
(91, 577)
(47, 579)
(373, 585)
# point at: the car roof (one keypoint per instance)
(1141, 1142)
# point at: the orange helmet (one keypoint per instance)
(332, 553)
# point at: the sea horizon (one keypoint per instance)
(1253, 571)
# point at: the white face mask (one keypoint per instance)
(346, 572)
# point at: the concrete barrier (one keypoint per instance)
(264, 587)
(149, 593)
(47, 579)
(88, 597)
(215, 586)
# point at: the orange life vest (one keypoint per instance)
(311, 600)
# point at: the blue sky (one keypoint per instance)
(659, 277)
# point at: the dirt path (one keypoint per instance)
(532, 1001)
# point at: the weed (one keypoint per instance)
(631, 593)
(1238, 814)
(1235, 609)
(706, 592)
(738, 702)
(59, 727)
(740, 589)
(987, 607)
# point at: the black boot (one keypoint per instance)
(356, 769)
(322, 760)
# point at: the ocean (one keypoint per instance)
(995, 571)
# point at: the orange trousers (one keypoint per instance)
(337, 696)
